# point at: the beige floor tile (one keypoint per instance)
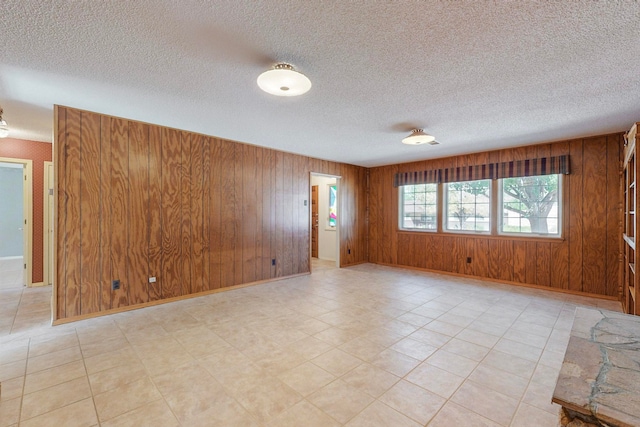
(13, 352)
(303, 414)
(415, 319)
(54, 376)
(380, 415)
(486, 402)
(370, 379)
(105, 361)
(412, 348)
(335, 336)
(530, 416)
(444, 328)
(433, 338)
(200, 341)
(336, 362)
(508, 363)
(48, 344)
(539, 395)
(452, 362)
(267, 398)
(310, 347)
(518, 349)
(340, 400)
(452, 415)
(125, 398)
(466, 349)
(500, 381)
(9, 412)
(436, 380)
(12, 388)
(306, 378)
(362, 348)
(413, 401)
(80, 414)
(53, 359)
(394, 362)
(153, 414)
(12, 370)
(477, 337)
(117, 376)
(49, 399)
(107, 345)
(383, 337)
(546, 375)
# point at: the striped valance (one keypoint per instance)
(418, 177)
(512, 169)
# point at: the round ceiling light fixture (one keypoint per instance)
(283, 80)
(4, 128)
(418, 137)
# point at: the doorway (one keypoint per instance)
(325, 234)
(15, 222)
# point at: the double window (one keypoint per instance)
(528, 205)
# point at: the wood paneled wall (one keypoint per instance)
(585, 260)
(199, 213)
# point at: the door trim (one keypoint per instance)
(47, 213)
(27, 213)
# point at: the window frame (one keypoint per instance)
(437, 205)
(495, 214)
(500, 213)
(445, 206)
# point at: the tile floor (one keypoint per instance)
(362, 346)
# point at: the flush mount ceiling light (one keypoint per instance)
(283, 80)
(418, 137)
(4, 128)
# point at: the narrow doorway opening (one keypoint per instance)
(15, 222)
(325, 220)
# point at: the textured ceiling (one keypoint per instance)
(478, 75)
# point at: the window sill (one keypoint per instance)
(479, 235)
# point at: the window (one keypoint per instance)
(419, 207)
(333, 209)
(468, 206)
(529, 205)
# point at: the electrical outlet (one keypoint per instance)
(468, 260)
(273, 261)
(152, 280)
(115, 285)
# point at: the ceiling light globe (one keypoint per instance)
(283, 80)
(418, 137)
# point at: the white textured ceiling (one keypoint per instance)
(478, 75)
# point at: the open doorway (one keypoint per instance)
(325, 234)
(15, 222)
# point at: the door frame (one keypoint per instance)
(47, 214)
(27, 213)
(338, 222)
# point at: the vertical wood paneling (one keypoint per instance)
(198, 213)
(228, 214)
(155, 212)
(171, 214)
(119, 210)
(595, 225)
(494, 259)
(543, 264)
(519, 262)
(249, 214)
(105, 213)
(574, 233)
(506, 260)
(215, 219)
(198, 199)
(238, 213)
(186, 236)
(481, 258)
(90, 291)
(138, 208)
(72, 193)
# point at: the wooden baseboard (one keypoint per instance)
(506, 282)
(168, 300)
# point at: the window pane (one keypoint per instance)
(530, 205)
(468, 206)
(419, 207)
